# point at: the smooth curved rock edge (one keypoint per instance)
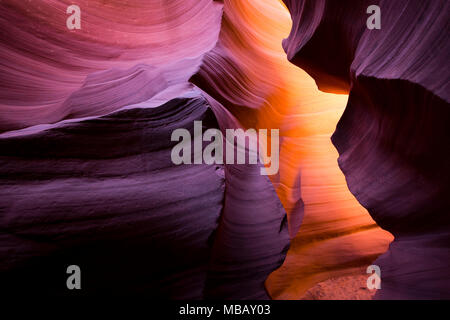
(87, 178)
(133, 221)
(393, 137)
(248, 73)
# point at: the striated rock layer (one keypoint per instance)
(86, 118)
(70, 196)
(332, 234)
(133, 221)
(138, 55)
(47, 68)
(90, 176)
(393, 137)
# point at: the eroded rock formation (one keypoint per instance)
(247, 71)
(103, 193)
(393, 137)
(89, 180)
(86, 117)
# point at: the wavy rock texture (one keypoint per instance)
(393, 137)
(124, 215)
(249, 74)
(99, 189)
(54, 64)
(88, 176)
(133, 221)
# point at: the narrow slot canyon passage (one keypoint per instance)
(337, 236)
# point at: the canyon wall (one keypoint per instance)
(86, 117)
(393, 137)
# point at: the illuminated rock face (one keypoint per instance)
(393, 137)
(46, 67)
(89, 178)
(247, 71)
